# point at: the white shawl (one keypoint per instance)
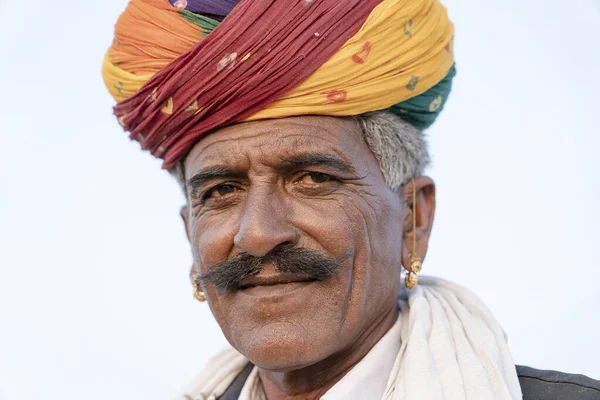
(452, 348)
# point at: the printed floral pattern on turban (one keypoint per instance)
(180, 73)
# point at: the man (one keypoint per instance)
(295, 130)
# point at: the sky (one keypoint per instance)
(95, 300)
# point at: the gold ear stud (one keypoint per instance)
(198, 293)
(416, 264)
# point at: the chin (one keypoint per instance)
(282, 346)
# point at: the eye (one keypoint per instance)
(219, 191)
(314, 178)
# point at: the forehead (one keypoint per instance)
(277, 139)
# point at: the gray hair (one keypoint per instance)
(400, 148)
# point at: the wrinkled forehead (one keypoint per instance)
(270, 141)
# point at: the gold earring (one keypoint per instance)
(416, 264)
(198, 294)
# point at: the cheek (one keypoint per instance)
(385, 241)
(329, 226)
(212, 238)
(387, 230)
(374, 228)
(345, 224)
(341, 226)
(212, 242)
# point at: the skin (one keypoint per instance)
(306, 340)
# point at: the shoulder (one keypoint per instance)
(553, 385)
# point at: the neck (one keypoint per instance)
(312, 382)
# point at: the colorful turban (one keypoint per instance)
(181, 69)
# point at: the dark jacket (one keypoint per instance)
(535, 385)
(552, 385)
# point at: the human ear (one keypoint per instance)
(184, 213)
(417, 226)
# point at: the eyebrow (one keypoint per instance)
(210, 174)
(220, 172)
(313, 160)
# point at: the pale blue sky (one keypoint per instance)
(94, 295)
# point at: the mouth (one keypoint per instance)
(261, 286)
(273, 280)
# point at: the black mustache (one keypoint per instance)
(228, 274)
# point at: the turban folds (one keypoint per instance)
(178, 74)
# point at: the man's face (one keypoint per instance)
(306, 182)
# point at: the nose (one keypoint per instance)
(264, 224)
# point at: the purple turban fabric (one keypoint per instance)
(219, 8)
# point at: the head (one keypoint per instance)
(322, 202)
(299, 226)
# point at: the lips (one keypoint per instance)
(272, 280)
